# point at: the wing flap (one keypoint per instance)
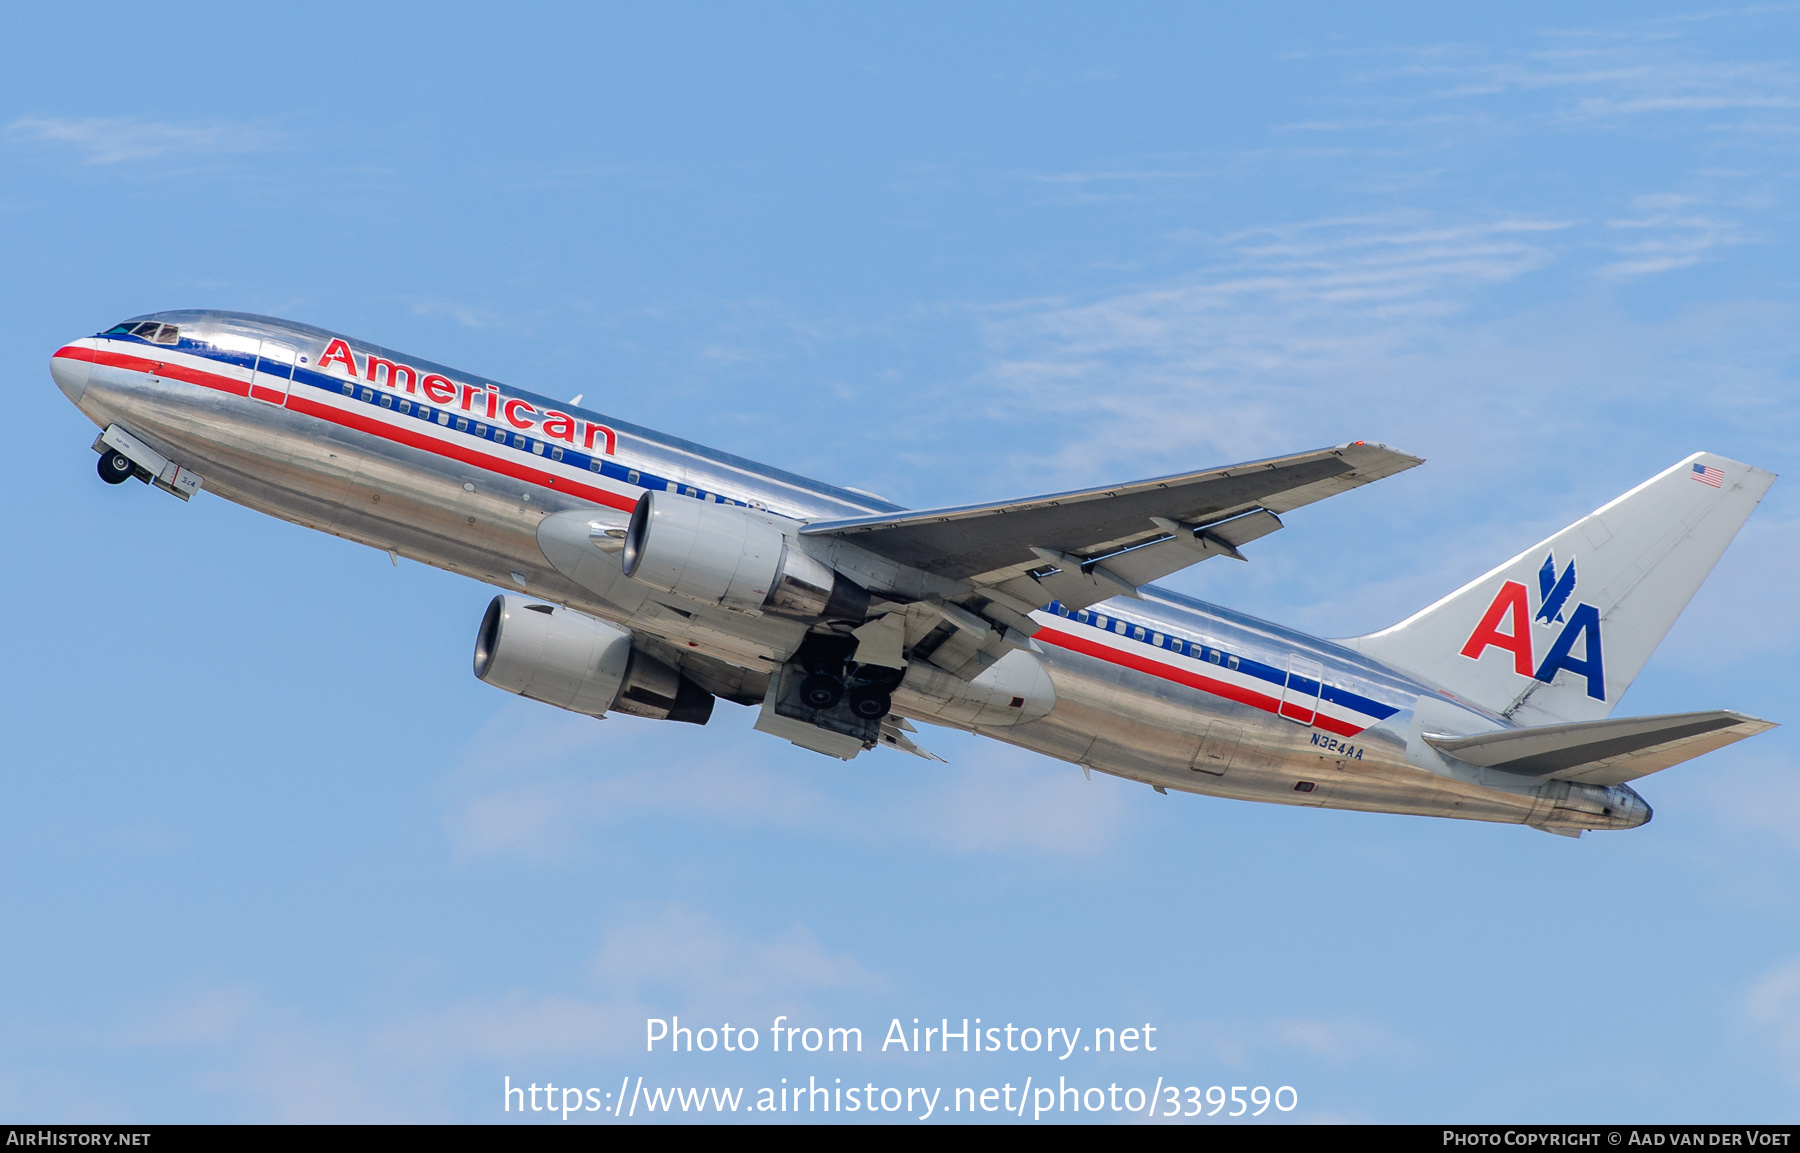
(1609, 752)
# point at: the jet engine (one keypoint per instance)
(738, 558)
(579, 663)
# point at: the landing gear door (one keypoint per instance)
(1300, 694)
(274, 372)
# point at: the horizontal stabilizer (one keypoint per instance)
(1608, 752)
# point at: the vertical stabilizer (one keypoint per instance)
(1559, 632)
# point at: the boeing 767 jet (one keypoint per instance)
(650, 576)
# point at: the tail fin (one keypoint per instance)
(1559, 632)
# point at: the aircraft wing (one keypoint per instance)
(1609, 752)
(1084, 546)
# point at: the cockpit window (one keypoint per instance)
(151, 330)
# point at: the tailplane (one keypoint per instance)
(1558, 633)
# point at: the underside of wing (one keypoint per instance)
(1085, 546)
(1609, 752)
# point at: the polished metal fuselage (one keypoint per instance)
(458, 513)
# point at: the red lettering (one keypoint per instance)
(1510, 600)
(438, 388)
(493, 395)
(589, 431)
(469, 393)
(559, 425)
(339, 352)
(512, 413)
(394, 372)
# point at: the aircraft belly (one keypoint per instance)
(1133, 725)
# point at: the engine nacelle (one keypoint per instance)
(577, 662)
(737, 558)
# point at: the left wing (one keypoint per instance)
(1085, 546)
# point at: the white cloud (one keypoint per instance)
(688, 950)
(537, 784)
(1334, 1040)
(1772, 1007)
(277, 1064)
(121, 140)
(1671, 234)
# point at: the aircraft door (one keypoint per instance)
(1218, 749)
(1300, 694)
(274, 372)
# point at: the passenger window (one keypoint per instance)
(444, 419)
(596, 466)
(387, 401)
(1213, 656)
(462, 424)
(424, 413)
(406, 406)
(537, 446)
(1156, 639)
(1119, 627)
(368, 394)
(631, 477)
(1232, 661)
(481, 430)
(349, 389)
(556, 454)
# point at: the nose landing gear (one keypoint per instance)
(115, 468)
(123, 455)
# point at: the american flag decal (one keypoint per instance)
(1708, 475)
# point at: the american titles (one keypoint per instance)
(482, 400)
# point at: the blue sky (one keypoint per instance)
(271, 852)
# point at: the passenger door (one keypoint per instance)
(274, 372)
(1300, 693)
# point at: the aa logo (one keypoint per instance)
(1511, 611)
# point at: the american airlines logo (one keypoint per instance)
(478, 399)
(1511, 610)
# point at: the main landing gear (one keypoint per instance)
(830, 675)
(114, 467)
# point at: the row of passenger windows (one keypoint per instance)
(154, 331)
(1193, 649)
(519, 440)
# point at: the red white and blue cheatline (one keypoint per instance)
(1706, 474)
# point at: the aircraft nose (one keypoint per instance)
(70, 368)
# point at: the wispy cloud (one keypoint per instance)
(1333, 1040)
(126, 140)
(547, 805)
(1671, 233)
(278, 1063)
(1772, 1007)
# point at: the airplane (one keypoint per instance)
(649, 576)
